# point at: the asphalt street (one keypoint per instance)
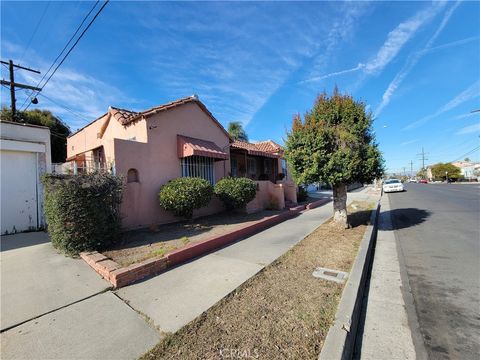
(438, 232)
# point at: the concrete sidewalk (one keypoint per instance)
(176, 297)
(387, 330)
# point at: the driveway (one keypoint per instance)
(37, 280)
(41, 288)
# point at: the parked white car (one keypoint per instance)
(392, 185)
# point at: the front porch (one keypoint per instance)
(263, 162)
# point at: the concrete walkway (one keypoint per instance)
(58, 308)
(387, 330)
(176, 297)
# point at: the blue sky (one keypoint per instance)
(415, 64)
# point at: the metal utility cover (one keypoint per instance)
(330, 275)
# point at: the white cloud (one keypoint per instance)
(85, 96)
(451, 44)
(398, 37)
(394, 42)
(337, 73)
(412, 61)
(463, 116)
(469, 129)
(408, 142)
(470, 93)
(76, 97)
(237, 57)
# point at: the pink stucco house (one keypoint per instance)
(180, 138)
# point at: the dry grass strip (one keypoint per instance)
(281, 313)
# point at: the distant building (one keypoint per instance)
(467, 169)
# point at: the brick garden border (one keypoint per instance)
(120, 276)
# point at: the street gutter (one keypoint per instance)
(340, 340)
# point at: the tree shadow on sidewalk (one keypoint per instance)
(404, 218)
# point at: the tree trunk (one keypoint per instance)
(340, 205)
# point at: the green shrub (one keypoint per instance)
(235, 193)
(182, 195)
(82, 211)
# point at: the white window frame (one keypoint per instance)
(198, 166)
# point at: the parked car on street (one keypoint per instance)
(423, 181)
(412, 180)
(393, 185)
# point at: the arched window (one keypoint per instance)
(132, 176)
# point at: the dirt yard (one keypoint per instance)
(139, 245)
(281, 313)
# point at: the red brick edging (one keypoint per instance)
(121, 276)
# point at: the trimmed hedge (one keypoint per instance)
(82, 211)
(235, 193)
(183, 195)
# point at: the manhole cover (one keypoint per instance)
(330, 275)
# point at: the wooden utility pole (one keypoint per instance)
(12, 84)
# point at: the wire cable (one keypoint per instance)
(65, 107)
(466, 154)
(35, 31)
(61, 52)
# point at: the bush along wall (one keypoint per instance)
(235, 193)
(183, 195)
(82, 211)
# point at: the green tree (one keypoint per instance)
(334, 144)
(236, 131)
(58, 130)
(439, 171)
(422, 174)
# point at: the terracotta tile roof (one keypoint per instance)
(264, 148)
(126, 117)
(269, 146)
(121, 115)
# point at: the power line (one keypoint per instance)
(466, 154)
(35, 31)
(74, 44)
(65, 107)
(61, 52)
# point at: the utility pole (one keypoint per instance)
(422, 154)
(12, 84)
(411, 168)
(404, 173)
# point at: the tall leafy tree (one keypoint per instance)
(335, 144)
(58, 130)
(440, 171)
(236, 131)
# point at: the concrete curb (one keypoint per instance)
(120, 276)
(340, 340)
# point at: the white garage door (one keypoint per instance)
(18, 191)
